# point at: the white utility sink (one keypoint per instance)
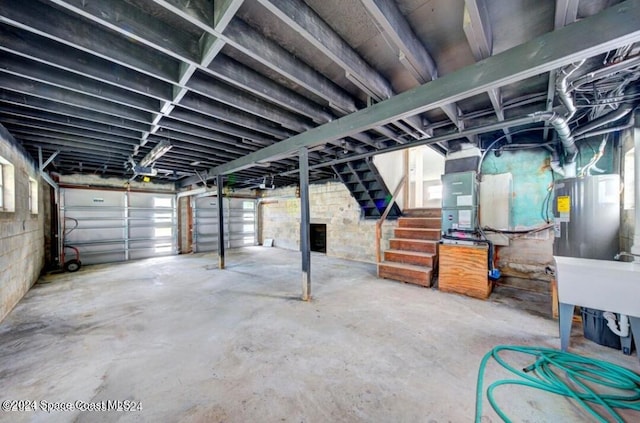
(601, 284)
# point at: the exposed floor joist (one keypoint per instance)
(617, 26)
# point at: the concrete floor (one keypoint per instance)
(196, 344)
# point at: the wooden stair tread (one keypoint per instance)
(419, 241)
(405, 266)
(410, 253)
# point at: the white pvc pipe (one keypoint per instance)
(621, 327)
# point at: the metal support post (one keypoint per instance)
(305, 231)
(220, 182)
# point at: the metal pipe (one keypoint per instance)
(605, 131)
(605, 72)
(562, 88)
(613, 116)
(564, 133)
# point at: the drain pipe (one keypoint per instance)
(562, 88)
(618, 326)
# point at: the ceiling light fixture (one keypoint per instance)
(156, 152)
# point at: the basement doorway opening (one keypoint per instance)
(319, 237)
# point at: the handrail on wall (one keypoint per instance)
(380, 221)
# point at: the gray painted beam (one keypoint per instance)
(72, 98)
(208, 123)
(216, 90)
(135, 24)
(477, 28)
(87, 37)
(203, 105)
(247, 40)
(413, 55)
(48, 128)
(209, 46)
(305, 220)
(302, 19)
(246, 79)
(305, 22)
(43, 50)
(195, 11)
(35, 71)
(618, 25)
(566, 13)
(44, 118)
(227, 143)
(44, 105)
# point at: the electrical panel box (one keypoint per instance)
(459, 202)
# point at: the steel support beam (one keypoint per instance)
(219, 183)
(210, 45)
(46, 51)
(617, 26)
(48, 106)
(246, 79)
(35, 71)
(302, 19)
(477, 28)
(45, 175)
(305, 22)
(214, 89)
(305, 227)
(250, 42)
(412, 53)
(85, 36)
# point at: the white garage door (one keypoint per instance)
(109, 226)
(239, 223)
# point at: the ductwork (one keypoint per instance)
(562, 88)
(562, 129)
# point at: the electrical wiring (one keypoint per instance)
(518, 232)
(586, 381)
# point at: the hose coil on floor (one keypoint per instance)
(589, 382)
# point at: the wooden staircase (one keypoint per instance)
(413, 251)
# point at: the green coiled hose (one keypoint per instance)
(554, 370)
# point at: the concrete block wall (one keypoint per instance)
(21, 232)
(348, 236)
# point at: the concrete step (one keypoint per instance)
(419, 222)
(414, 245)
(409, 273)
(417, 233)
(422, 212)
(410, 257)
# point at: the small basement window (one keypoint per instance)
(7, 186)
(33, 196)
(318, 237)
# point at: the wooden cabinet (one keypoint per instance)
(463, 269)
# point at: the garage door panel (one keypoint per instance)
(109, 226)
(239, 220)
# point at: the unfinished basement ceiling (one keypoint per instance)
(97, 84)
